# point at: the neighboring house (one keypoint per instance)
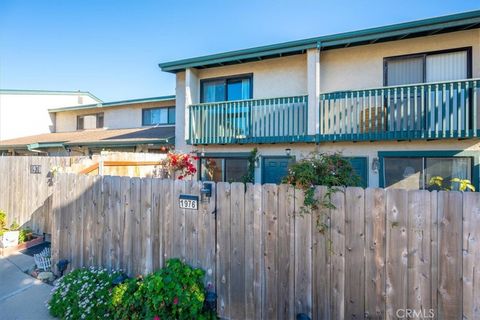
(25, 112)
(400, 101)
(140, 125)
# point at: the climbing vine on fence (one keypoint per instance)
(320, 169)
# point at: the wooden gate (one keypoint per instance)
(381, 251)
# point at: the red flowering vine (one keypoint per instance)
(181, 163)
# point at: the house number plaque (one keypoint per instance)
(187, 201)
(35, 169)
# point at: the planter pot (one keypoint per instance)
(9, 239)
(21, 246)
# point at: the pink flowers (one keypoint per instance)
(175, 300)
(156, 318)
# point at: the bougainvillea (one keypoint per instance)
(180, 165)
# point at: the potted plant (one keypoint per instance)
(8, 237)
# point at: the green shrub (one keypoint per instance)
(126, 301)
(23, 235)
(3, 220)
(83, 294)
(174, 292)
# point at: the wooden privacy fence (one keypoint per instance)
(26, 188)
(383, 251)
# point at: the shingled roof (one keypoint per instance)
(97, 137)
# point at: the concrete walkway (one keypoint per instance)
(21, 296)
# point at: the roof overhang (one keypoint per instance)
(113, 104)
(121, 143)
(419, 28)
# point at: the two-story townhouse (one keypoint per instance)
(401, 101)
(138, 125)
(25, 112)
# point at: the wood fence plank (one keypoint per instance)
(321, 254)
(286, 252)
(270, 217)
(206, 239)
(303, 257)
(450, 255)
(178, 221)
(135, 208)
(434, 249)
(375, 223)
(145, 236)
(419, 254)
(223, 249)
(337, 216)
(191, 226)
(128, 221)
(116, 216)
(471, 255)
(157, 202)
(237, 247)
(354, 253)
(397, 255)
(258, 251)
(249, 256)
(168, 213)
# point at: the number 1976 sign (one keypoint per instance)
(186, 201)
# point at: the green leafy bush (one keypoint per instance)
(174, 292)
(126, 301)
(83, 294)
(3, 220)
(24, 235)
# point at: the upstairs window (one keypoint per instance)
(427, 67)
(90, 121)
(226, 89)
(155, 116)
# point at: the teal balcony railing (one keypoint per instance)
(422, 111)
(249, 121)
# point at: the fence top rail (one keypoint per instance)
(386, 88)
(246, 101)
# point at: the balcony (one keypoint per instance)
(250, 121)
(422, 111)
(440, 110)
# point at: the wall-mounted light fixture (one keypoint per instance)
(206, 192)
(288, 151)
(203, 152)
(375, 164)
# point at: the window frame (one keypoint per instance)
(225, 157)
(82, 116)
(225, 80)
(424, 56)
(473, 155)
(158, 124)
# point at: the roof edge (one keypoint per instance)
(49, 92)
(113, 103)
(325, 41)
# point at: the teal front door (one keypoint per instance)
(275, 168)
(360, 167)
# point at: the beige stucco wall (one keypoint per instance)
(281, 77)
(362, 67)
(348, 149)
(26, 114)
(114, 117)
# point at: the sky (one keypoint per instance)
(112, 47)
